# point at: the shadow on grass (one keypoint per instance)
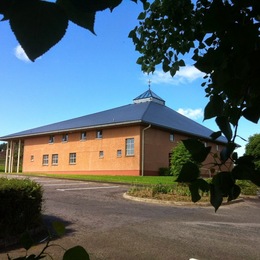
(39, 235)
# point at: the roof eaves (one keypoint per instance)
(12, 137)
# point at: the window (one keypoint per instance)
(172, 137)
(129, 146)
(32, 158)
(99, 134)
(51, 139)
(217, 147)
(45, 159)
(72, 158)
(83, 136)
(119, 153)
(101, 154)
(55, 158)
(65, 138)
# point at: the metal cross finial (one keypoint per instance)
(149, 83)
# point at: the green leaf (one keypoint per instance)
(234, 193)
(37, 25)
(93, 6)
(215, 197)
(215, 135)
(197, 149)
(77, 252)
(194, 190)
(214, 107)
(224, 126)
(81, 16)
(59, 228)
(224, 182)
(26, 241)
(227, 151)
(255, 177)
(195, 186)
(251, 114)
(189, 172)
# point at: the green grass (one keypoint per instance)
(145, 180)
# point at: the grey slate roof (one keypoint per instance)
(143, 112)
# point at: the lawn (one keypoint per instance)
(133, 180)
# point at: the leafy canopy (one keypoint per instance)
(253, 149)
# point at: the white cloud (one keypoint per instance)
(20, 54)
(185, 75)
(191, 113)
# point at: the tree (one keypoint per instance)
(253, 149)
(180, 156)
(224, 38)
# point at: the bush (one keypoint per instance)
(247, 187)
(164, 171)
(20, 206)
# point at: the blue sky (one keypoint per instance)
(85, 73)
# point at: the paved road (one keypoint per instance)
(111, 227)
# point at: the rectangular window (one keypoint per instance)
(83, 136)
(72, 158)
(101, 154)
(45, 159)
(51, 139)
(217, 148)
(172, 137)
(119, 153)
(129, 146)
(65, 138)
(99, 134)
(55, 159)
(32, 158)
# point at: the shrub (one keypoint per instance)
(247, 187)
(180, 156)
(20, 206)
(164, 171)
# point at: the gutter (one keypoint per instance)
(143, 147)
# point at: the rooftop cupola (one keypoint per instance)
(149, 96)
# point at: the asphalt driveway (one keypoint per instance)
(110, 227)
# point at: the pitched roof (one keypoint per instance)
(144, 112)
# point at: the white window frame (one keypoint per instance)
(55, 159)
(83, 136)
(45, 159)
(129, 147)
(119, 153)
(65, 138)
(99, 134)
(72, 158)
(101, 154)
(51, 139)
(172, 137)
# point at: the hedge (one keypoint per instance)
(20, 206)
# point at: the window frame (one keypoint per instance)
(45, 160)
(51, 139)
(72, 158)
(65, 138)
(99, 134)
(172, 137)
(83, 136)
(129, 146)
(101, 154)
(55, 159)
(119, 153)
